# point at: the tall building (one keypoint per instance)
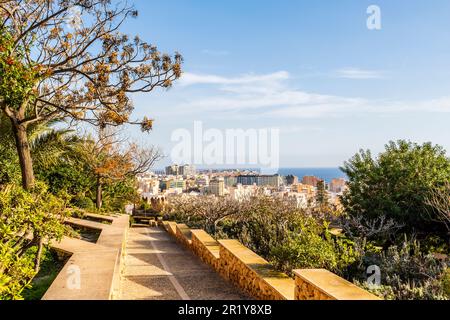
(202, 181)
(240, 192)
(217, 187)
(311, 181)
(304, 188)
(184, 170)
(167, 184)
(148, 184)
(338, 185)
(173, 170)
(260, 180)
(230, 181)
(187, 170)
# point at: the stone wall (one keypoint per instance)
(206, 248)
(183, 235)
(254, 275)
(321, 284)
(171, 227)
(100, 263)
(257, 277)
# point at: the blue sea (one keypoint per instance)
(326, 174)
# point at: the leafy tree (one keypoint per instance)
(56, 154)
(321, 195)
(71, 177)
(439, 201)
(111, 160)
(51, 68)
(397, 183)
(117, 194)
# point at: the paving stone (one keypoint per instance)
(159, 268)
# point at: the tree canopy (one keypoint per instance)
(398, 183)
(67, 59)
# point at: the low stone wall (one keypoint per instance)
(206, 248)
(254, 275)
(171, 227)
(93, 270)
(257, 277)
(183, 235)
(321, 284)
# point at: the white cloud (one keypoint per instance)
(270, 95)
(355, 73)
(189, 79)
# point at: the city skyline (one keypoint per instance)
(313, 70)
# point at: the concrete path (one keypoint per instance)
(158, 268)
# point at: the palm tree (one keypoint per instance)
(48, 145)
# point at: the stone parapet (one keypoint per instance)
(257, 277)
(183, 235)
(206, 248)
(321, 284)
(171, 227)
(93, 270)
(253, 274)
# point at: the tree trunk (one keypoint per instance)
(24, 152)
(99, 201)
(38, 258)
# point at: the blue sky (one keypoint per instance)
(310, 68)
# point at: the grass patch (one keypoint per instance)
(51, 266)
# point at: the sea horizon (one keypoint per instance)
(325, 173)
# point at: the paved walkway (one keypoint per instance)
(158, 268)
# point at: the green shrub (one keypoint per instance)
(398, 184)
(84, 203)
(446, 282)
(50, 267)
(306, 250)
(408, 274)
(291, 238)
(25, 218)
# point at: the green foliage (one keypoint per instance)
(50, 267)
(305, 250)
(9, 165)
(409, 274)
(446, 282)
(71, 178)
(18, 79)
(264, 222)
(144, 205)
(84, 203)
(117, 194)
(291, 238)
(9, 169)
(25, 217)
(321, 195)
(397, 183)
